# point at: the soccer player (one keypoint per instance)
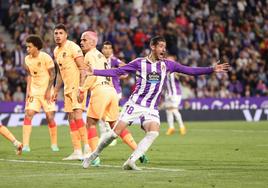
(172, 101)
(41, 75)
(8, 135)
(143, 103)
(103, 104)
(70, 61)
(113, 62)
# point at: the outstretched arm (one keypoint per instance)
(200, 70)
(128, 68)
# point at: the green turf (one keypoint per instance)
(214, 154)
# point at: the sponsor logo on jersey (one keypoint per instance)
(154, 77)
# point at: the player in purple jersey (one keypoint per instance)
(114, 62)
(151, 72)
(172, 101)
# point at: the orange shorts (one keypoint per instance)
(103, 104)
(71, 102)
(35, 103)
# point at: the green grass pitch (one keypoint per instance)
(211, 154)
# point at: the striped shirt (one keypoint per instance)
(151, 77)
(114, 63)
(172, 85)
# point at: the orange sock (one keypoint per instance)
(93, 138)
(128, 139)
(82, 130)
(7, 134)
(26, 131)
(52, 128)
(75, 137)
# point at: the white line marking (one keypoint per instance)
(262, 145)
(229, 130)
(77, 164)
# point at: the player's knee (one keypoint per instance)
(50, 120)
(29, 116)
(91, 122)
(70, 116)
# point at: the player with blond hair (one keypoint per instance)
(103, 104)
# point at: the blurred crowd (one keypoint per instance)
(198, 32)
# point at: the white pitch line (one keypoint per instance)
(87, 174)
(230, 130)
(263, 145)
(77, 164)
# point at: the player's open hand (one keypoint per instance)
(54, 96)
(224, 67)
(80, 96)
(48, 96)
(89, 70)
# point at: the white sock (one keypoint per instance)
(87, 149)
(144, 145)
(78, 151)
(16, 143)
(170, 119)
(104, 127)
(177, 115)
(105, 140)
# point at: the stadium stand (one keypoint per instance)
(198, 32)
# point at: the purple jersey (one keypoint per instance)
(172, 85)
(151, 77)
(114, 62)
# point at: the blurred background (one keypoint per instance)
(198, 32)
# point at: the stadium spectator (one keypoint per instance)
(18, 95)
(199, 31)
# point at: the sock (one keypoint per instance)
(52, 128)
(16, 143)
(128, 139)
(177, 115)
(75, 137)
(93, 138)
(170, 119)
(7, 134)
(26, 131)
(105, 140)
(104, 127)
(82, 130)
(144, 145)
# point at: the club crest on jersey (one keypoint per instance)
(39, 64)
(163, 67)
(64, 54)
(154, 77)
